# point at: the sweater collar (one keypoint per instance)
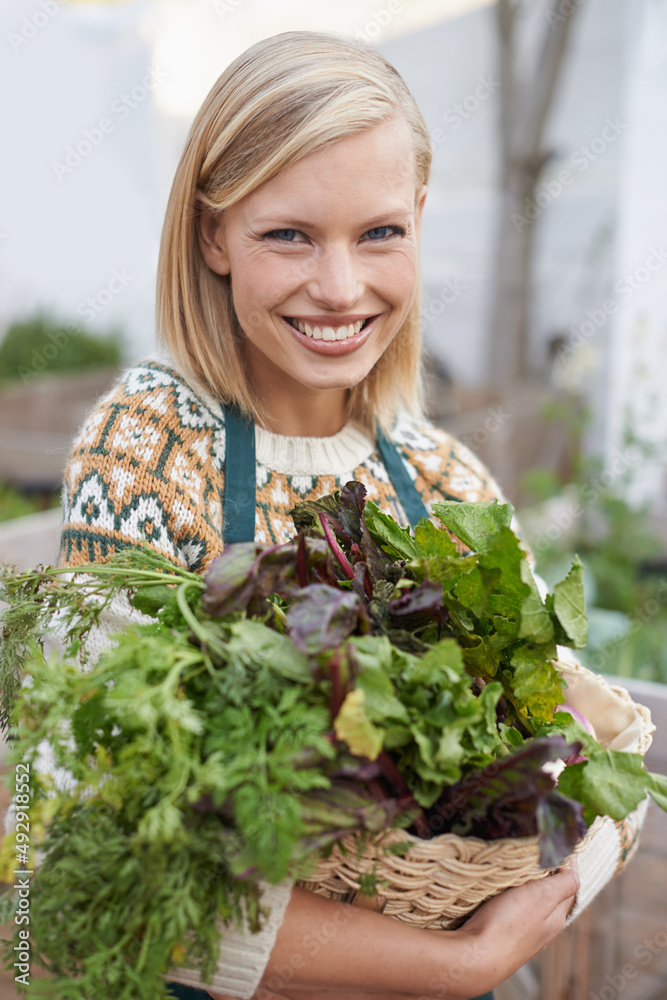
(314, 456)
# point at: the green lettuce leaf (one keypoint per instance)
(610, 783)
(396, 541)
(536, 685)
(536, 623)
(569, 605)
(474, 524)
(432, 541)
(353, 726)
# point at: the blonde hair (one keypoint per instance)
(285, 97)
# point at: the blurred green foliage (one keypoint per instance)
(625, 564)
(40, 344)
(16, 503)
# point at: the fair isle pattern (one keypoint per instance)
(148, 465)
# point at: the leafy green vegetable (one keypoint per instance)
(354, 727)
(321, 617)
(536, 624)
(610, 783)
(475, 524)
(396, 541)
(218, 749)
(356, 678)
(569, 606)
(38, 604)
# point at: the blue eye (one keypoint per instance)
(284, 235)
(381, 232)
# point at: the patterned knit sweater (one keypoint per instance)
(148, 466)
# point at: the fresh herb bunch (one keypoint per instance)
(355, 679)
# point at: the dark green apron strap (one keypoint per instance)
(406, 491)
(238, 515)
(183, 992)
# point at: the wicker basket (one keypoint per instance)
(439, 882)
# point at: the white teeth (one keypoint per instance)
(328, 332)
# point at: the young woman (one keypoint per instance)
(287, 302)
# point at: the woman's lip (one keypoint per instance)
(335, 321)
(333, 347)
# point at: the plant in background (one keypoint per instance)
(41, 344)
(14, 503)
(626, 561)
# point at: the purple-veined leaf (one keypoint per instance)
(322, 617)
(229, 579)
(352, 516)
(419, 605)
(328, 814)
(246, 574)
(351, 509)
(560, 824)
(338, 553)
(514, 797)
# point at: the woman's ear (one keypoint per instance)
(212, 242)
(421, 198)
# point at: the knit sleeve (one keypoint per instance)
(146, 467)
(243, 955)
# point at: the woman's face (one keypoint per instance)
(323, 261)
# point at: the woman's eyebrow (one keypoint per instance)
(392, 214)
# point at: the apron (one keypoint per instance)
(240, 484)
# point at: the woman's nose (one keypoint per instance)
(336, 280)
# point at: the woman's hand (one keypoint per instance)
(511, 928)
(333, 951)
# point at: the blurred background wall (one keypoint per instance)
(98, 98)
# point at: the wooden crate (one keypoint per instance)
(37, 422)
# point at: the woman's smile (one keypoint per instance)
(331, 335)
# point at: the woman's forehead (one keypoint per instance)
(372, 172)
